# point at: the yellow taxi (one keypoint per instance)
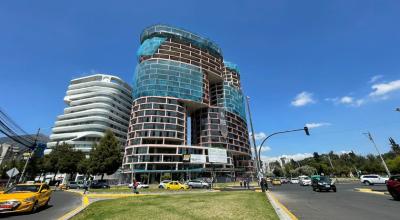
(175, 185)
(25, 198)
(276, 182)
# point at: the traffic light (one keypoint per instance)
(306, 130)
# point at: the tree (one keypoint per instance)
(105, 157)
(63, 158)
(278, 171)
(395, 146)
(306, 170)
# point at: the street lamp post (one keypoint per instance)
(376, 147)
(258, 165)
(305, 129)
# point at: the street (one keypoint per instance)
(61, 203)
(345, 204)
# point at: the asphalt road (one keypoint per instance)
(346, 203)
(61, 203)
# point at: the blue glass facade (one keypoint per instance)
(165, 30)
(150, 46)
(159, 77)
(233, 100)
(232, 66)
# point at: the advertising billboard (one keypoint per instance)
(198, 158)
(216, 155)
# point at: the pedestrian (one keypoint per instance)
(248, 183)
(264, 184)
(241, 183)
(134, 186)
(244, 183)
(85, 187)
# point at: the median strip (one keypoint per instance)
(366, 190)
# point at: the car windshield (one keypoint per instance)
(23, 188)
(306, 178)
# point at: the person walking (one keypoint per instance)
(248, 183)
(263, 184)
(244, 183)
(135, 184)
(85, 187)
(241, 183)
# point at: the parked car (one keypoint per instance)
(322, 183)
(304, 181)
(284, 180)
(175, 185)
(163, 184)
(294, 180)
(276, 181)
(74, 185)
(393, 186)
(372, 179)
(198, 184)
(140, 185)
(99, 185)
(25, 198)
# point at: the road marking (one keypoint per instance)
(70, 214)
(365, 190)
(289, 214)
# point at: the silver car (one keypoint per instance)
(198, 184)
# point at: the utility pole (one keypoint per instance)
(254, 139)
(376, 147)
(29, 158)
(330, 161)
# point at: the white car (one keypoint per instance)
(372, 179)
(140, 185)
(305, 181)
(163, 183)
(294, 180)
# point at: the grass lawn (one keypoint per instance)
(126, 189)
(219, 205)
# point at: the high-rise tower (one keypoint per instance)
(182, 83)
(95, 103)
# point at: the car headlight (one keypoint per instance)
(30, 199)
(13, 203)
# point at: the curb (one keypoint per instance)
(282, 212)
(72, 213)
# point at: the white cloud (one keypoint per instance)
(302, 99)
(296, 157)
(259, 136)
(383, 89)
(346, 100)
(316, 125)
(375, 78)
(263, 149)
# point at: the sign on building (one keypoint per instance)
(198, 158)
(186, 157)
(216, 155)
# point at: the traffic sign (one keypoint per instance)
(12, 172)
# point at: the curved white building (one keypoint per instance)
(95, 103)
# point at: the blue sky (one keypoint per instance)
(333, 64)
